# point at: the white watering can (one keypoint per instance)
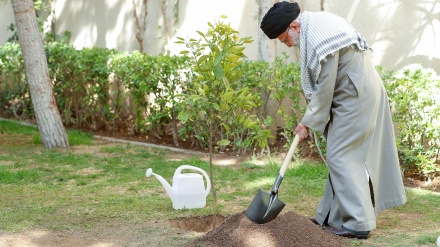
(188, 189)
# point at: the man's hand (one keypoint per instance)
(302, 131)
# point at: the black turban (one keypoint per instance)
(278, 18)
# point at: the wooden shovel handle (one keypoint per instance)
(289, 155)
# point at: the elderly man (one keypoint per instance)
(348, 103)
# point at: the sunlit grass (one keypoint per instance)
(81, 187)
(423, 201)
(75, 137)
(12, 127)
(429, 239)
(265, 183)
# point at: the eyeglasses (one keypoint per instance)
(287, 35)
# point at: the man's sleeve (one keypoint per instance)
(318, 110)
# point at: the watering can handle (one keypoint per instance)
(183, 167)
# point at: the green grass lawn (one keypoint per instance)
(90, 185)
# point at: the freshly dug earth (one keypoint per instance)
(289, 229)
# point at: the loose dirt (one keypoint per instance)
(289, 230)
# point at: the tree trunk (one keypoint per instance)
(214, 194)
(48, 118)
(140, 28)
(267, 51)
(267, 48)
(174, 130)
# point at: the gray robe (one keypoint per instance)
(350, 106)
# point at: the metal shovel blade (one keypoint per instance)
(264, 207)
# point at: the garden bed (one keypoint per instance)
(411, 178)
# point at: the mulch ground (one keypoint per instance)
(410, 179)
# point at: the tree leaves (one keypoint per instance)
(219, 89)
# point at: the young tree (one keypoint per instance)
(216, 103)
(49, 122)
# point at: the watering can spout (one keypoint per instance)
(164, 183)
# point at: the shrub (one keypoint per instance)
(154, 83)
(414, 94)
(277, 84)
(14, 92)
(81, 85)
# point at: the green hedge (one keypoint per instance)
(100, 88)
(414, 95)
(14, 92)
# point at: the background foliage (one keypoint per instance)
(414, 94)
(104, 89)
(136, 93)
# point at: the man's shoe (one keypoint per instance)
(347, 233)
(313, 220)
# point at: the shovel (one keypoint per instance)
(266, 206)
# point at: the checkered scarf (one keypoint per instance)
(322, 34)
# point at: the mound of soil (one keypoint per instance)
(289, 230)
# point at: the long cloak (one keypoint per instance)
(350, 106)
